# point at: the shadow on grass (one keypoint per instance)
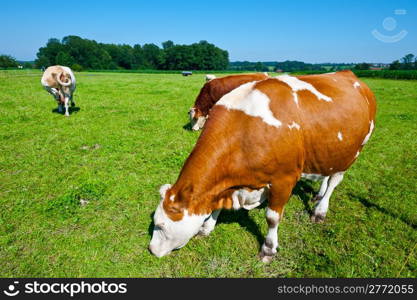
(70, 110)
(244, 220)
(383, 210)
(303, 190)
(187, 126)
(151, 225)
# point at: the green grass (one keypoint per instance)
(127, 139)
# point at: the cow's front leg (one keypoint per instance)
(320, 210)
(280, 192)
(208, 225)
(66, 102)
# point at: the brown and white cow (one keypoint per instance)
(212, 91)
(60, 82)
(263, 137)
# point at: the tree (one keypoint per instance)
(168, 44)
(88, 54)
(363, 66)
(27, 65)
(408, 58)
(153, 55)
(63, 59)
(408, 61)
(6, 61)
(395, 65)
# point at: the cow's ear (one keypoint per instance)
(163, 190)
(174, 210)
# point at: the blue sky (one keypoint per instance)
(310, 31)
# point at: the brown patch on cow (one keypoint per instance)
(216, 88)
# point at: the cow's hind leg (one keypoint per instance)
(60, 107)
(322, 205)
(323, 188)
(208, 225)
(280, 192)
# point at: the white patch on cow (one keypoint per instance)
(295, 95)
(248, 199)
(172, 198)
(357, 154)
(209, 223)
(251, 101)
(66, 101)
(313, 177)
(199, 123)
(269, 248)
(210, 77)
(331, 169)
(299, 85)
(169, 235)
(367, 137)
(69, 71)
(340, 136)
(330, 73)
(294, 125)
(163, 189)
(356, 85)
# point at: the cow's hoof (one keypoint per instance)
(265, 258)
(318, 219)
(204, 231)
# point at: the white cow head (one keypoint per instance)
(197, 119)
(169, 235)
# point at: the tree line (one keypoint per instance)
(80, 53)
(408, 62)
(287, 66)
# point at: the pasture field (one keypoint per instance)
(126, 137)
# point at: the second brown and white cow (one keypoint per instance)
(212, 91)
(264, 136)
(59, 81)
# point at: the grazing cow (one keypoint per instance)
(267, 135)
(212, 91)
(60, 82)
(210, 77)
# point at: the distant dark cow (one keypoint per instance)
(262, 138)
(212, 91)
(186, 73)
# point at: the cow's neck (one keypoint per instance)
(206, 179)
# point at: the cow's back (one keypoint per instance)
(216, 88)
(335, 113)
(316, 123)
